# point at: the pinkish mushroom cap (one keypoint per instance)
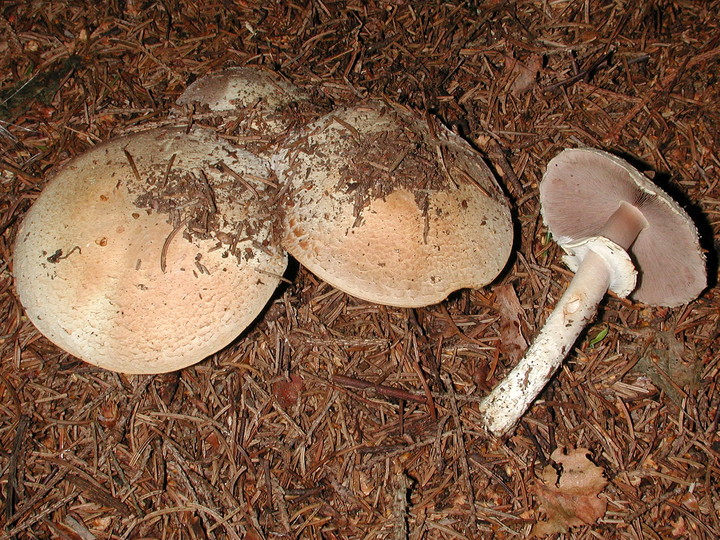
(251, 103)
(241, 87)
(583, 187)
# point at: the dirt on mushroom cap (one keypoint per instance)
(391, 207)
(145, 255)
(252, 104)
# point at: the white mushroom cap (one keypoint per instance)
(391, 207)
(154, 270)
(260, 102)
(583, 187)
(238, 87)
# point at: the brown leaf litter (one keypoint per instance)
(333, 418)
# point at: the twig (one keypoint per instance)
(167, 171)
(496, 152)
(428, 394)
(400, 507)
(10, 489)
(583, 73)
(134, 168)
(41, 515)
(383, 390)
(227, 170)
(29, 505)
(460, 439)
(166, 244)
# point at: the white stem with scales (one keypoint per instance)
(602, 263)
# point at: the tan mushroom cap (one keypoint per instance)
(149, 274)
(583, 187)
(391, 207)
(260, 103)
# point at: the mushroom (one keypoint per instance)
(257, 104)
(391, 207)
(149, 252)
(608, 218)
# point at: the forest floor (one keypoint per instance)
(275, 436)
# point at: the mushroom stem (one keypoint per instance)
(509, 400)
(603, 264)
(624, 225)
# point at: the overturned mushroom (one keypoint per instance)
(606, 215)
(149, 252)
(391, 207)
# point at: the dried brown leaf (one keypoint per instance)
(570, 497)
(512, 342)
(524, 74)
(288, 392)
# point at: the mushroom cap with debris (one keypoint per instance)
(251, 103)
(149, 252)
(391, 207)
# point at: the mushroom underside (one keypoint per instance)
(635, 216)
